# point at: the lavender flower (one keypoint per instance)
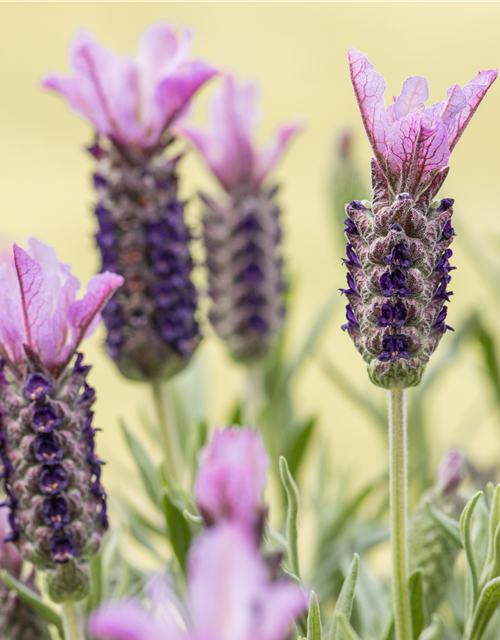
(398, 245)
(242, 232)
(152, 328)
(231, 477)
(51, 474)
(230, 597)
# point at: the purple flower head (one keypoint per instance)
(448, 232)
(45, 419)
(47, 448)
(37, 387)
(231, 477)
(53, 480)
(399, 257)
(352, 287)
(55, 512)
(133, 101)
(440, 324)
(229, 597)
(352, 323)
(229, 147)
(410, 141)
(352, 258)
(350, 227)
(393, 348)
(451, 471)
(40, 310)
(393, 284)
(63, 548)
(392, 316)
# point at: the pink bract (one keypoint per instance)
(132, 101)
(40, 310)
(412, 142)
(231, 477)
(230, 597)
(229, 147)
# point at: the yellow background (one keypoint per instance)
(298, 51)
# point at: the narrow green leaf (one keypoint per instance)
(345, 627)
(488, 347)
(314, 629)
(95, 597)
(493, 524)
(298, 445)
(45, 611)
(466, 537)
(416, 588)
(434, 630)
(345, 601)
(448, 525)
(190, 517)
(180, 534)
(293, 497)
(144, 464)
(487, 603)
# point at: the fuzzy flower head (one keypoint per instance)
(132, 101)
(410, 141)
(229, 146)
(231, 478)
(230, 597)
(40, 311)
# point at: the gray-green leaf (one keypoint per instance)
(314, 629)
(448, 525)
(434, 630)
(345, 601)
(416, 589)
(487, 603)
(293, 497)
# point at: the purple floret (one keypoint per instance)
(393, 348)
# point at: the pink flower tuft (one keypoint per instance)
(229, 597)
(9, 556)
(412, 142)
(451, 471)
(229, 148)
(132, 102)
(37, 298)
(231, 478)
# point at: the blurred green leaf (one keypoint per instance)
(147, 469)
(486, 606)
(180, 533)
(344, 627)
(343, 607)
(293, 496)
(434, 630)
(466, 537)
(489, 351)
(416, 589)
(314, 629)
(448, 525)
(298, 442)
(33, 600)
(95, 597)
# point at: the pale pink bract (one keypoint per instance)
(232, 476)
(40, 310)
(230, 597)
(412, 142)
(132, 101)
(229, 147)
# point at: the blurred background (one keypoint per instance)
(298, 53)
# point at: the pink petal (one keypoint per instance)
(455, 102)
(414, 93)
(474, 92)
(12, 328)
(82, 314)
(126, 620)
(9, 555)
(159, 53)
(268, 157)
(369, 88)
(284, 602)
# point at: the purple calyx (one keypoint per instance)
(444, 264)
(393, 348)
(440, 324)
(392, 316)
(395, 226)
(55, 512)
(352, 287)
(445, 204)
(350, 227)
(45, 419)
(399, 257)
(352, 323)
(441, 292)
(352, 258)
(405, 196)
(47, 448)
(63, 548)
(80, 369)
(393, 284)
(53, 480)
(448, 232)
(37, 387)
(357, 205)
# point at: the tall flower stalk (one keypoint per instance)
(398, 259)
(51, 474)
(152, 321)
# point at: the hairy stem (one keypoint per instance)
(398, 490)
(72, 623)
(168, 432)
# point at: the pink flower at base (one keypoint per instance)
(229, 148)
(9, 556)
(451, 471)
(132, 101)
(412, 142)
(231, 477)
(39, 309)
(229, 597)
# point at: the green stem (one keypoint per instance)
(168, 432)
(398, 490)
(72, 623)
(252, 396)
